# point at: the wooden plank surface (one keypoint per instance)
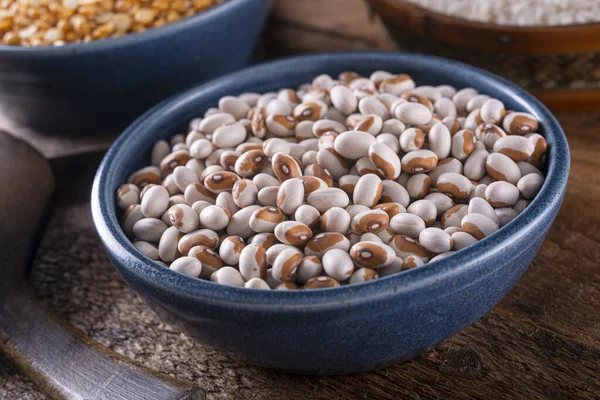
(541, 341)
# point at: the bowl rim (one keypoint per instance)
(525, 39)
(121, 250)
(493, 25)
(207, 16)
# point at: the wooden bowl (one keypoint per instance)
(558, 64)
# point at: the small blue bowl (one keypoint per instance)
(103, 85)
(352, 328)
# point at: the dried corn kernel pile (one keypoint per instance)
(57, 22)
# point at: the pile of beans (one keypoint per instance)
(340, 181)
(57, 22)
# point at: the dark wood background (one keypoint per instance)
(541, 341)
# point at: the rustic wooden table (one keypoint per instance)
(541, 341)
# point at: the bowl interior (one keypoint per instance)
(132, 149)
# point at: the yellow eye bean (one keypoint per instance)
(265, 219)
(253, 262)
(268, 196)
(324, 241)
(478, 205)
(324, 199)
(310, 267)
(321, 282)
(529, 185)
(418, 186)
(413, 113)
(372, 254)
(455, 185)
(281, 125)
(286, 265)
(239, 224)
(473, 120)
(405, 246)
(285, 167)
(391, 209)
(505, 215)
(393, 192)
(149, 229)
(540, 147)
(128, 194)
(502, 168)
(343, 99)
(445, 107)
(462, 239)
(338, 264)
(231, 248)
(293, 233)
(334, 163)
(212, 122)
(520, 123)
(368, 190)
(244, 193)
(385, 160)
(424, 209)
(257, 283)
(373, 221)
(435, 240)
(412, 139)
(419, 161)
(332, 182)
(441, 202)
(228, 276)
(224, 200)
(335, 219)
(189, 266)
(453, 125)
(393, 126)
(353, 144)
(371, 105)
(478, 225)
(397, 85)
(501, 194)
(215, 217)
(492, 111)
(264, 240)
(290, 195)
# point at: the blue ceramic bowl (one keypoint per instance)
(103, 85)
(352, 328)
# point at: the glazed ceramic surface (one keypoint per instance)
(104, 85)
(352, 328)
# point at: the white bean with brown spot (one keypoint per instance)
(435, 240)
(215, 217)
(323, 168)
(478, 225)
(368, 190)
(338, 264)
(189, 266)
